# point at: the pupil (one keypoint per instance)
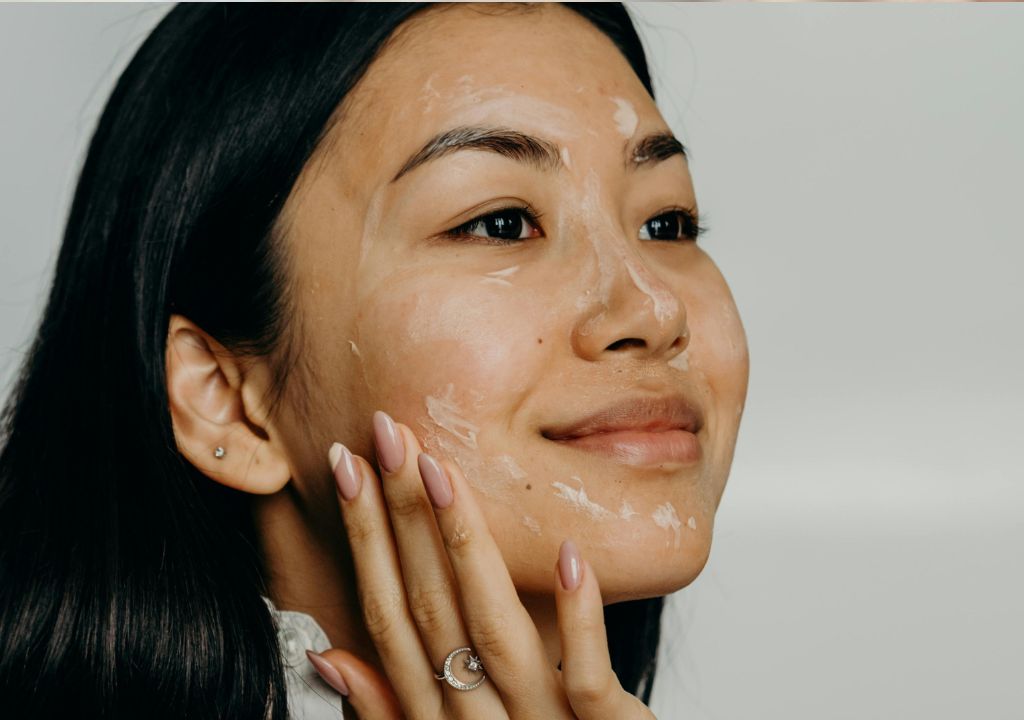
(507, 224)
(665, 227)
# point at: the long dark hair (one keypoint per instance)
(129, 582)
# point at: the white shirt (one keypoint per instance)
(309, 697)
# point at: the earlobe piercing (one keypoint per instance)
(219, 452)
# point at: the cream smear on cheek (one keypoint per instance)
(500, 277)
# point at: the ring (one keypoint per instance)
(472, 664)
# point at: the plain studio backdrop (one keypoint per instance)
(860, 169)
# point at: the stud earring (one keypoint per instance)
(219, 452)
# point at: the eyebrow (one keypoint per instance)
(541, 154)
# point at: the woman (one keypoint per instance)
(389, 320)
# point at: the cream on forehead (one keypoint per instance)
(464, 92)
(625, 117)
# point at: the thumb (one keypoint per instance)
(368, 691)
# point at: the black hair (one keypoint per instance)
(130, 583)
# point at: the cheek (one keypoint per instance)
(448, 357)
(718, 343)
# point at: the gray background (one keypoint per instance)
(860, 169)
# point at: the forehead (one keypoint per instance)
(543, 68)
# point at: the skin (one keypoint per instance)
(441, 334)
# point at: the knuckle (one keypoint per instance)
(381, 611)
(360, 529)
(491, 636)
(408, 504)
(433, 608)
(460, 539)
(587, 626)
(590, 688)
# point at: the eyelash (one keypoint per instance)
(692, 230)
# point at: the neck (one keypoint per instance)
(308, 569)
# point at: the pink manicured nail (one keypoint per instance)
(569, 565)
(346, 472)
(328, 672)
(390, 447)
(435, 480)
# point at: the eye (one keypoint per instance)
(502, 227)
(678, 224)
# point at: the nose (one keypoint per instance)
(630, 310)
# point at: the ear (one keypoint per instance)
(216, 402)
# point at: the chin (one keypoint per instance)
(644, 570)
(627, 567)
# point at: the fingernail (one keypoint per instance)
(328, 672)
(334, 455)
(346, 473)
(435, 480)
(390, 448)
(569, 565)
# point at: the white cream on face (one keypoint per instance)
(499, 277)
(665, 516)
(625, 118)
(508, 465)
(681, 361)
(532, 524)
(577, 497)
(362, 365)
(429, 94)
(665, 303)
(448, 416)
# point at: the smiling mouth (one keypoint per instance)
(640, 447)
(645, 431)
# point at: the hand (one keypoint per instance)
(431, 579)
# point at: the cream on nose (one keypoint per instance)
(610, 248)
(664, 303)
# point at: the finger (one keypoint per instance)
(501, 629)
(379, 581)
(428, 581)
(430, 587)
(593, 689)
(368, 692)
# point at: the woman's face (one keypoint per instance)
(482, 342)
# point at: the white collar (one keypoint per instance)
(309, 697)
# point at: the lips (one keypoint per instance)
(641, 431)
(645, 414)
